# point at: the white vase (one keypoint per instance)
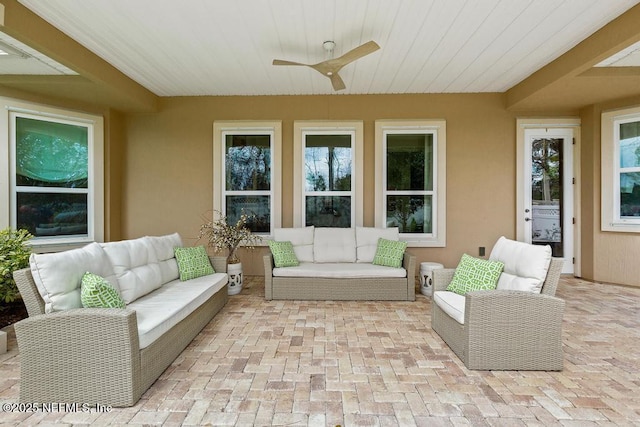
(235, 278)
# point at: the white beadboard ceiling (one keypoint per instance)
(215, 47)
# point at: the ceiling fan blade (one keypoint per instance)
(330, 67)
(282, 62)
(337, 82)
(358, 52)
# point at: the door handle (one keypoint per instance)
(527, 219)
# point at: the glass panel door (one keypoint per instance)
(546, 194)
(549, 191)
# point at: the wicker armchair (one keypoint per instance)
(505, 330)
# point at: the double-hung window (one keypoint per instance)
(621, 170)
(247, 173)
(55, 174)
(410, 187)
(327, 166)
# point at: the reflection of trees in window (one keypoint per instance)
(258, 209)
(409, 185)
(546, 155)
(411, 214)
(54, 155)
(323, 211)
(248, 162)
(409, 162)
(327, 162)
(328, 170)
(248, 180)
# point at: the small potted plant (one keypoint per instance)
(223, 237)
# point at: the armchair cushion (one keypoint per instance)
(525, 265)
(451, 303)
(473, 274)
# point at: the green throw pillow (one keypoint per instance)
(283, 254)
(473, 274)
(193, 262)
(97, 292)
(389, 253)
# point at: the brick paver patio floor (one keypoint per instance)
(375, 363)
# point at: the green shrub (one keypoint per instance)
(14, 255)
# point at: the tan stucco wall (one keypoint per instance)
(167, 174)
(114, 146)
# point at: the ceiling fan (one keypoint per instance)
(330, 67)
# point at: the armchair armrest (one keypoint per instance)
(487, 307)
(80, 355)
(441, 278)
(523, 328)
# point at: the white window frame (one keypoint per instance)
(438, 128)
(272, 128)
(95, 191)
(303, 128)
(610, 171)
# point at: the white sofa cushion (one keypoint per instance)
(136, 267)
(58, 276)
(301, 238)
(164, 247)
(367, 241)
(451, 303)
(164, 308)
(334, 244)
(525, 265)
(339, 270)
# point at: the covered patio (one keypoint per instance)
(375, 363)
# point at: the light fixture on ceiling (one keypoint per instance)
(329, 45)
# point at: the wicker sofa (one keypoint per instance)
(504, 329)
(109, 356)
(336, 264)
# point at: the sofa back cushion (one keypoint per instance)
(164, 247)
(136, 266)
(58, 276)
(301, 238)
(367, 241)
(334, 244)
(525, 265)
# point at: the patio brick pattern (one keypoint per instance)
(375, 363)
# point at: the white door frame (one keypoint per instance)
(522, 190)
